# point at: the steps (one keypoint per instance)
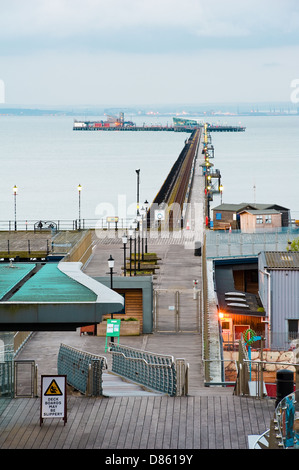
(116, 386)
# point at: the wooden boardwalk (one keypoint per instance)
(201, 422)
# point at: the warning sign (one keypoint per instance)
(53, 397)
(53, 389)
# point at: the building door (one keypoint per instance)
(177, 311)
(238, 331)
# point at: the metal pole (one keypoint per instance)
(15, 190)
(111, 286)
(138, 172)
(79, 191)
(130, 256)
(125, 268)
(135, 254)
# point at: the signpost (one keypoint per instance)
(113, 329)
(53, 397)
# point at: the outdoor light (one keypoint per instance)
(15, 191)
(111, 262)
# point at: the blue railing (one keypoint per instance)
(83, 369)
(154, 371)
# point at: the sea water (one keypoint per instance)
(47, 160)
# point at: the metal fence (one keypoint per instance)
(65, 224)
(237, 243)
(6, 379)
(83, 369)
(154, 371)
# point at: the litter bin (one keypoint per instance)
(197, 249)
(284, 384)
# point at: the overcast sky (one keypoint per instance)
(134, 52)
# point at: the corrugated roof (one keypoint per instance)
(282, 259)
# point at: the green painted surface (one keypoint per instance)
(10, 276)
(51, 285)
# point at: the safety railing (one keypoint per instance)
(237, 243)
(6, 379)
(83, 369)
(153, 371)
(284, 427)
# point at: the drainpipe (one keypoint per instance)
(268, 305)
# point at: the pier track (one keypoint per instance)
(174, 193)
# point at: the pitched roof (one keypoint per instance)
(247, 205)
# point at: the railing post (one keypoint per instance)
(182, 377)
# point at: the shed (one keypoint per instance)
(228, 215)
(254, 220)
(279, 294)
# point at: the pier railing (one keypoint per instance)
(237, 243)
(155, 371)
(65, 224)
(83, 369)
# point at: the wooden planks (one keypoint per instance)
(200, 422)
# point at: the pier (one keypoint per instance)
(208, 416)
(122, 127)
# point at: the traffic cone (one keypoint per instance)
(187, 226)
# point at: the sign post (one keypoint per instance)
(53, 397)
(113, 329)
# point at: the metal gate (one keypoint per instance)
(25, 379)
(177, 310)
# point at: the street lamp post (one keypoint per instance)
(146, 209)
(79, 194)
(221, 191)
(138, 228)
(135, 254)
(125, 240)
(138, 174)
(130, 235)
(111, 266)
(15, 192)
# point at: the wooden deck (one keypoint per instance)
(201, 422)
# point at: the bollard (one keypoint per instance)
(284, 384)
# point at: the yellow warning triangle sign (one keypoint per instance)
(53, 389)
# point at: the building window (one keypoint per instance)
(293, 329)
(259, 219)
(268, 219)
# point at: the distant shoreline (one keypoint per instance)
(208, 115)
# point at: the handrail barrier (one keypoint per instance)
(155, 371)
(83, 369)
(284, 427)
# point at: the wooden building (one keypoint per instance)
(254, 220)
(226, 216)
(138, 299)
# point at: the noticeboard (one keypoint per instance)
(113, 329)
(53, 397)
